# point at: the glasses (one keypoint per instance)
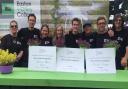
(102, 23)
(12, 26)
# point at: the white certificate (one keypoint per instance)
(70, 60)
(42, 58)
(100, 60)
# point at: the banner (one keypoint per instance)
(18, 10)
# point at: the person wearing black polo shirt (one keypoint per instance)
(102, 35)
(12, 42)
(71, 39)
(121, 36)
(88, 35)
(45, 39)
(28, 35)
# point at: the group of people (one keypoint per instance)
(19, 40)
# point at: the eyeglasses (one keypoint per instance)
(102, 23)
(12, 26)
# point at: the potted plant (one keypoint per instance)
(6, 61)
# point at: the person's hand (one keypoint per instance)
(18, 57)
(110, 32)
(124, 61)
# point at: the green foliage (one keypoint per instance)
(112, 44)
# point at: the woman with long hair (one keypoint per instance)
(58, 40)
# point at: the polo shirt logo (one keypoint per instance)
(46, 42)
(91, 40)
(14, 41)
(106, 40)
(19, 43)
(35, 36)
(120, 38)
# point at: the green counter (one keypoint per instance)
(25, 77)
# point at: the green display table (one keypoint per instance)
(25, 77)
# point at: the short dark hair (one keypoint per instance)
(31, 14)
(75, 19)
(87, 25)
(118, 16)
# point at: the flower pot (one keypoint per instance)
(6, 69)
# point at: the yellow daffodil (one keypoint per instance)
(7, 58)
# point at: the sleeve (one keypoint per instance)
(3, 43)
(21, 46)
(125, 42)
(67, 43)
(38, 34)
(54, 41)
(19, 34)
(94, 40)
(51, 41)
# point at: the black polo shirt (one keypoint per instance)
(13, 44)
(27, 35)
(101, 39)
(90, 38)
(71, 40)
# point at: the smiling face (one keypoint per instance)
(88, 29)
(31, 21)
(44, 31)
(101, 25)
(59, 31)
(75, 25)
(118, 22)
(13, 27)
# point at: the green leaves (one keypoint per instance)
(112, 44)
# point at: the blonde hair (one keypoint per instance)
(55, 32)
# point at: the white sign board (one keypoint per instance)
(42, 58)
(100, 60)
(70, 60)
